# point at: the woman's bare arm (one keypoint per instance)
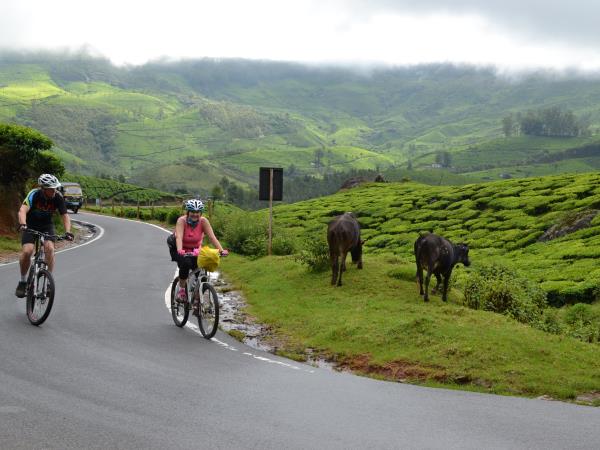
(179, 233)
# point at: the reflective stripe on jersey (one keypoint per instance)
(29, 198)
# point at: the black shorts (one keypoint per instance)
(186, 264)
(29, 238)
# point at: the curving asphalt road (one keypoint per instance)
(109, 369)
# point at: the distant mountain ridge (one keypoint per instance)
(187, 124)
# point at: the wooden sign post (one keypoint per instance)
(270, 187)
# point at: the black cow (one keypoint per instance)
(439, 256)
(343, 236)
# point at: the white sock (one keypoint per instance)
(23, 277)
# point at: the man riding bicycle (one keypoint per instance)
(36, 214)
(189, 233)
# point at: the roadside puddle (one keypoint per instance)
(234, 321)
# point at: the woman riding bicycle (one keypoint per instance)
(189, 233)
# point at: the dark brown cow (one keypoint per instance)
(439, 256)
(343, 236)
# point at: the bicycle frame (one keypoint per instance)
(200, 275)
(39, 256)
(40, 284)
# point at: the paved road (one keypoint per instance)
(109, 369)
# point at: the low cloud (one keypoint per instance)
(574, 22)
(510, 34)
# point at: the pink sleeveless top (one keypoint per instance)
(192, 237)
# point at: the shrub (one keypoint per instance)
(583, 323)
(161, 214)
(173, 215)
(499, 289)
(315, 254)
(283, 243)
(550, 322)
(245, 234)
(580, 313)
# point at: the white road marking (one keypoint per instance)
(129, 220)
(225, 345)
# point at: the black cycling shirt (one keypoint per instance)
(41, 208)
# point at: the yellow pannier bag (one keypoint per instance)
(208, 258)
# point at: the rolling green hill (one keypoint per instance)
(162, 123)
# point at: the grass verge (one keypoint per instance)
(378, 325)
(9, 244)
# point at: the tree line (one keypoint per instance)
(25, 154)
(549, 122)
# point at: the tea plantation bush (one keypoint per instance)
(500, 221)
(582, 322)
(499, 289)
(248, 235)
(283, 243)
(314, 253)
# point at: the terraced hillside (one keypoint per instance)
(501, 221)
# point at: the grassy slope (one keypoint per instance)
(379, 325)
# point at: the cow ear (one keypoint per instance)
(363, 241)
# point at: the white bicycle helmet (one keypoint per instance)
(47, 180)
(194, 205)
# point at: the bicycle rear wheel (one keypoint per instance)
(179, 311)
(40, 297)
(208, 311)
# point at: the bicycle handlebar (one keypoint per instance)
(222, 255)
(46, 235)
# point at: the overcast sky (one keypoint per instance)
(512, 34)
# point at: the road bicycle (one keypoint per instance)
(40, 283)
(201, 298)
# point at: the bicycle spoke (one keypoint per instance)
(179, 312)
(40, 297)
(208, 314)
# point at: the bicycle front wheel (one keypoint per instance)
(208, 311)
(179, 311)
(40, 297)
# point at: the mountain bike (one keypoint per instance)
(201, 298)
(40, 283)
